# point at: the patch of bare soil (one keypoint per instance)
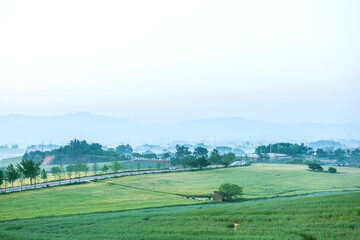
(47, 160)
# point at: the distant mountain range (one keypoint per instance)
(26, 130)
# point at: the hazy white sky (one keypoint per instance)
(166, 61)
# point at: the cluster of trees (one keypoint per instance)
(26, 169)
(81, 152)
(283, 148)
(200, 158)
(124, 149)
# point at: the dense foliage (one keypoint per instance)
(230, 191)
(315, 166)
(283, 148)
(76, 152)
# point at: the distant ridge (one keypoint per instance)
(111, 131)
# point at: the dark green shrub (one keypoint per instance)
(332, 170)
(315, 166)
(230, 225)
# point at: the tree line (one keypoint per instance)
(200, 157)
(81, 152)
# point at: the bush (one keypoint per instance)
(230, 225)
(315, 166)
(332, 170)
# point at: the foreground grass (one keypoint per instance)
(258, 180)
(322, 217)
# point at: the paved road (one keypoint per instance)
(82, 179)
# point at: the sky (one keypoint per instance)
(168, 61)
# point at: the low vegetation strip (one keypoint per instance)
(330, 217)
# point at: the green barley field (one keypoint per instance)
(334, 216)
(280, 202)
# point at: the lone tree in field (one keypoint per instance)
(11, 174)
(332, 170)
(30, 169)
(230, 191)
(315, 166)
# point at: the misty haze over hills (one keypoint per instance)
(26, 130)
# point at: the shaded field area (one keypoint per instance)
(258, 180)
(335, 216)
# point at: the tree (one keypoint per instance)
(105, 168)
(192, 162)
(158, 165)
(12, 174)
(228, 158)
(332, 170)
(30, 169)
(230, 191)
(182, 151)
(166, 156)
(1, 178)
(55, 171)
(321, 153)
(124, 149)
(78, 169)
(315, 166)
(202, 162)
(201, 152)
(215, 157)
(43, 175)
(95, 167)
(21, 178)
(184, 161)
(115, 166)
(61, 170)
(86, 169)
(136, 155)
(69, 170)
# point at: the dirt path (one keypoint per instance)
(47, 160)
(235, 225)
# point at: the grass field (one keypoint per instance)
(157, 190)
(327, 217)
(83, 198)
(258, 180)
